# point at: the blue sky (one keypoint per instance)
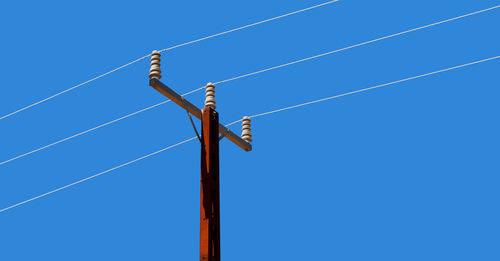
(405, 172)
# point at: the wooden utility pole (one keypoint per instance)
(209, 200)
(209, 196)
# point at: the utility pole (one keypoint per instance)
(209, 200)
(209, 195)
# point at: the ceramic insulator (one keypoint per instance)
(210, 95)
(155, 71)
(246, 128)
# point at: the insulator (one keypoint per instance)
(210, 95)
(246, 129)
(154, 71)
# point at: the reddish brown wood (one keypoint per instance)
(209, 202)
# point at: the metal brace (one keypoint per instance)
(191, 119)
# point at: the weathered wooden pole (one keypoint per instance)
(209, 200)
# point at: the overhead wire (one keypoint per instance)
(94, 176)
(371, 88)
(251, 74)
(81, 133)
(357, 45)
(72, 88)
(253, 116)
(250, 25)
(170, 48)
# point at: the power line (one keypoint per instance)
(72, 88)
(253, 116)
(357, 45)
(81, 133)
(170, 48)
(96, 175)
(371, 88)
(250, 25)
(250, 74)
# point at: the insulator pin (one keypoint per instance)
(210, 95)
(154, 71)
(246, 127)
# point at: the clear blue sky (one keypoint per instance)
(405, 172)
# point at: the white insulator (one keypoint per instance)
(210, 95)
(154, 71)
(246, 128)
